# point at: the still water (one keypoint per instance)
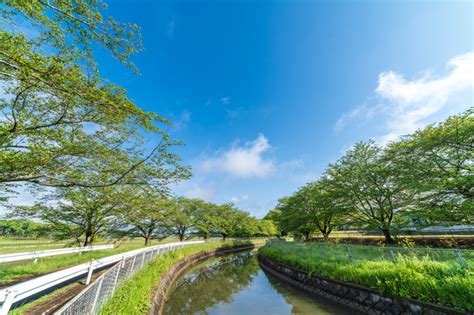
(235, 284)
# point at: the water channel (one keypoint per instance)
(235, 284)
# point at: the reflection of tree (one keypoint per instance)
(211, 284)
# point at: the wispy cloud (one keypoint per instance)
(406, 105)
(201, 191)
(242, 161)
(183, 120)
(238, 199)
(225, 100)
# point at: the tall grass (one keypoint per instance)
(444, 282)
(134, 296)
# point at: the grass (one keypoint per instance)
(135, 294)
(438, 279)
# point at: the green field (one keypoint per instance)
(430, 276)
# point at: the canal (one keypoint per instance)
(235, 284)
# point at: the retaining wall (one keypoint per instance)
(358, 297)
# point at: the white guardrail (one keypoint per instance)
(28, 288)
(50, 252)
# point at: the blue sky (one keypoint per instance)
(266, 93)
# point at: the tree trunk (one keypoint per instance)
(306, 236)
(224, 236)
(89, 238)
(388, 237)
(147, 239)
(181, 237)
(326, 236)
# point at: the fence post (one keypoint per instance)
(99, 287)
(457, 252)
(5, 307)
(89, 272)
(349, 249)
(392, 255)
(143, 259)
(133, 263)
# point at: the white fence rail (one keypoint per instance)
(94, 297)
(29, 288)
(50, 252)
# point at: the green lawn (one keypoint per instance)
(435, 276)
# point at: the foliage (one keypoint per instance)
(437, 163)
(366, 179)
(62, 125)
(24, 228)
(81, 214)
(146, 212)
(442, 282)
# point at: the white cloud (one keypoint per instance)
(407, 105)
(238, 199)
(243, 161)
(195, 190)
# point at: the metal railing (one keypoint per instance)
(51, 252)
(26, 289)
(93, 298)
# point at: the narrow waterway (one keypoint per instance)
(235, 284)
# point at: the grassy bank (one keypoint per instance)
(135, 294)
(421, 278)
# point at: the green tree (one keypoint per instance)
(146, 212)
(62, 124)
(367, 178)
(437, 163)
(82, 214)
(182, 218)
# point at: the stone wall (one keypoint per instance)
(357, 297)
(164, 286)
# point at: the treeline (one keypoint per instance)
(95, 161)
(85, 215)
(426, 177)
(24, 229)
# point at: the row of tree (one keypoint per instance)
(85, 214)
(427, 177)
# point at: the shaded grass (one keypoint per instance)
(443, 282)
(135, 294)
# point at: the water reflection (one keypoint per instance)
(235, 284)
